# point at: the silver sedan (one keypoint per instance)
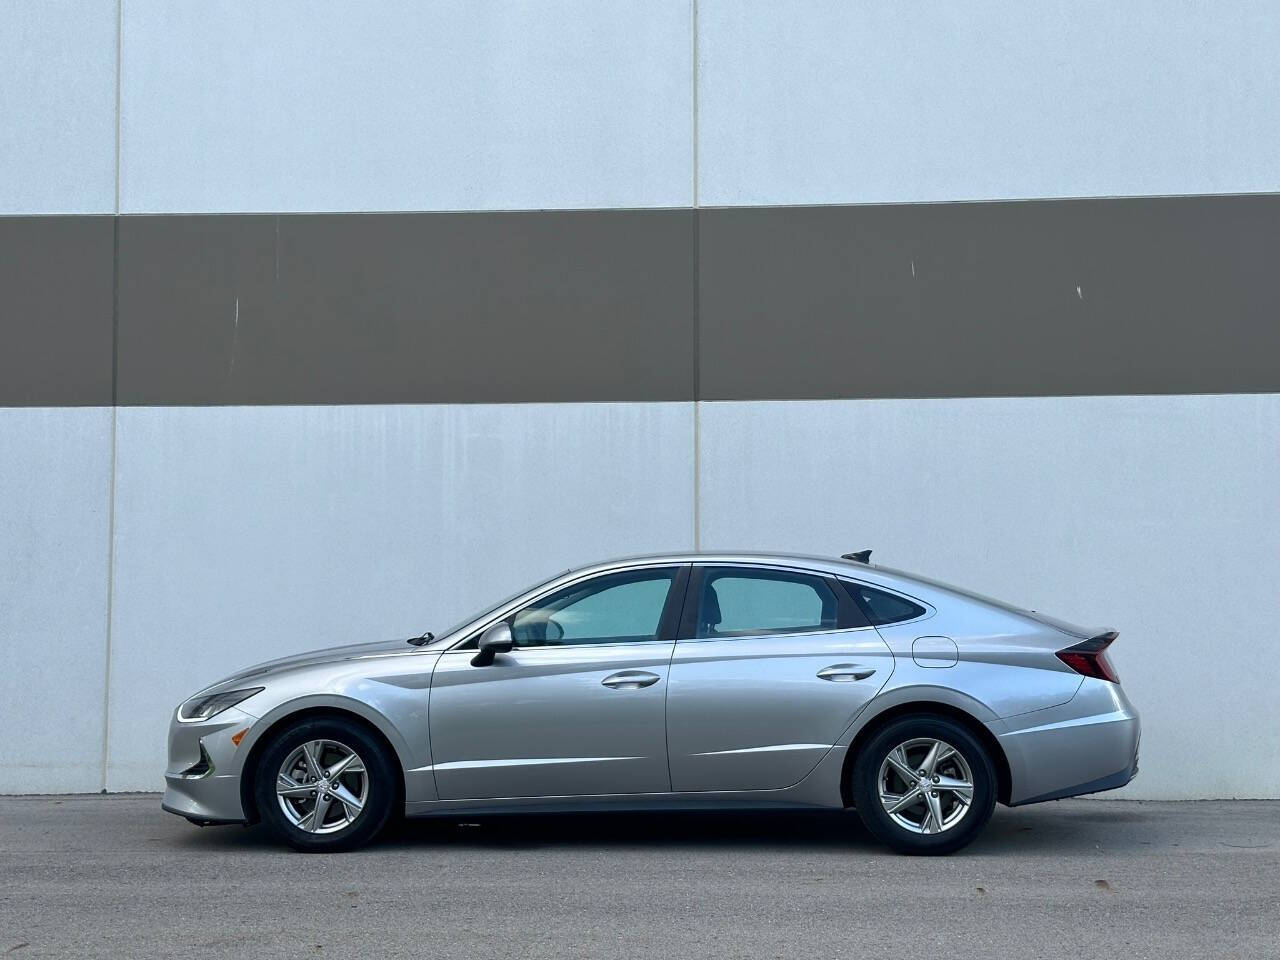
(687, 681)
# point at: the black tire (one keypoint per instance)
(380, 800)
(866, 793)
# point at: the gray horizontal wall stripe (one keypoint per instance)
(1108, 296)
(55, 311)
(1104, 296)
(406, 308)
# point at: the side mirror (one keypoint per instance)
(497, 639)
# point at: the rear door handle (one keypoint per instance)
(631, 680)
(845, 672)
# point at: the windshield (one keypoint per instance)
(481, 614)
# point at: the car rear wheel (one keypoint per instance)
(924, 785)
(325, 784)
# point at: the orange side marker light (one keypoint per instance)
(237, 737)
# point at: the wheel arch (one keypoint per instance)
(1004, 778)
(249, 771)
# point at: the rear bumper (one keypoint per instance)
(1087, 745)
(1113, 782)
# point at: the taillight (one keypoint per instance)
(1089, 658)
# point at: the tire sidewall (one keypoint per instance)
(866, 793)
(383, 792)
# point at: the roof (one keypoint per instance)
(801, 560)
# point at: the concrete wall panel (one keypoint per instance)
(828, 101)
(58, 106)
(450, 105)
(55, 487)
(1159, 516)
(247, 533)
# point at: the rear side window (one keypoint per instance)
(881, 607)
(740, 603)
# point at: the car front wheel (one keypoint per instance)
(325, 784)
(924, 785)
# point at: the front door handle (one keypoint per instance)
(631, 680)
(845, 672)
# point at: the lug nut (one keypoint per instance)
(933, 793)
(935, 778)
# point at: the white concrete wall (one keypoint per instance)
(449, 105)
(1159, 516)
(57, 106)
(55, 491)
(457, 105)
(247, 533)
(831, 101)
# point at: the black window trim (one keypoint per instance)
(846, 581)
(849, 615)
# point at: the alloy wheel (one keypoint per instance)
(925, 785)
(322, 786)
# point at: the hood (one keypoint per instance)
(352, 651)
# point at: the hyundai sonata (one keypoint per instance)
(686, 681)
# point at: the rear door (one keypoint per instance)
(771, 667)
(577, 708)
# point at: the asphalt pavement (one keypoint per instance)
(114, 876)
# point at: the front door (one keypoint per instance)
(577, 708)
(771, 668)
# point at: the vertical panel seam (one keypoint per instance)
(115, 412)
(697, 308)
(111, 566)
(695, 104)
(119, 50)
(111, 494)
(697, 381)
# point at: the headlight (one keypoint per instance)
(204, 706)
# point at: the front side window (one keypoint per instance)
(616, 608)
(738, 603)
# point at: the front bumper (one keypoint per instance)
(1086, 745)
(202, 779)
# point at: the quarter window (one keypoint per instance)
(736, 603)
(881, 607)
(616, 608)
